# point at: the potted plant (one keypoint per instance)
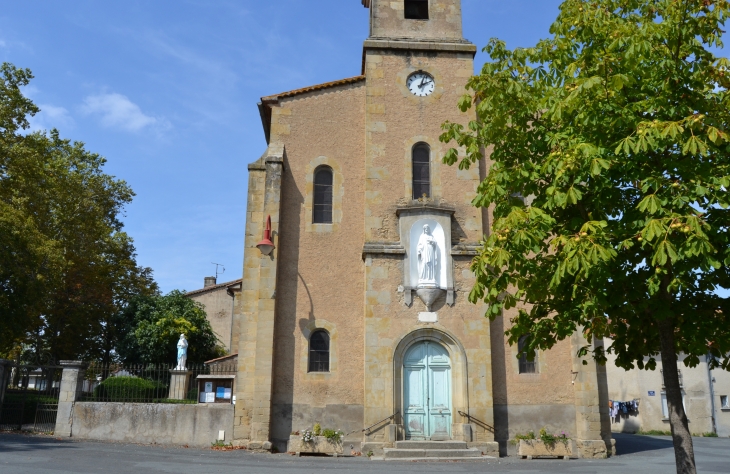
(316, 441)
(545, 445)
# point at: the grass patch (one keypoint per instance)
(173, 401)
(654, 433)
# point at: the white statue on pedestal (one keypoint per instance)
(182, 353)
(427, 258)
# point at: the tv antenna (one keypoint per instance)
(223, 270)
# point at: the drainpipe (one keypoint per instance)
(711, 380)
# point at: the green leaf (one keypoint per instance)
(650, 203)
(598, 164)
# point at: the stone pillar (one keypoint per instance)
(592, 430)
(72, 382)
(179, 384)
(258, 304)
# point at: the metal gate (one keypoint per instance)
(30, 401)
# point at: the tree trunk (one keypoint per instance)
(684, 454)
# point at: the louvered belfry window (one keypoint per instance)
(319, 352)
(421, 171)
(322, 195)
(416, 9)
(526, 366)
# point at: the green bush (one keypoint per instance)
(654, 433)
(129, 389)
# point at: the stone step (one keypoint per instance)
(397, 453)
(430, 445)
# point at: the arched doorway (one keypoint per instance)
(427, 407)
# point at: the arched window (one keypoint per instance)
(421, 160)
(322, 212)
(319, 352)
(526, 366)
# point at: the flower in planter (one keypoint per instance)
(307, 436)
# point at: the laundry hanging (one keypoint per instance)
(622, 407)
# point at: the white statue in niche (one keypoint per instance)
(182, 353)
(428, 251)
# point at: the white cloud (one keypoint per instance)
(58, 116)
(116, 110)
(50, 117)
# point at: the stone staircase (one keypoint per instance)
(407, 450)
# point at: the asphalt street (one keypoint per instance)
(37, 454)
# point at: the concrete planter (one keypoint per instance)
(320, 445)
(533, 448)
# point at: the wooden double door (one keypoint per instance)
(427, 411)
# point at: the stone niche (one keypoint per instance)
(431, 275)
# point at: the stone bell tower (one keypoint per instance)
(434, 19)
(416, 64)
(412, 43)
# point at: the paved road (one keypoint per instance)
(43, 454)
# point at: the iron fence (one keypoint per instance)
(31, 395)
(45, 417)
(11, 416)
(147, 383)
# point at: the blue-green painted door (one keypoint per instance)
(427, 392)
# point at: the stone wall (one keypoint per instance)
(219, 308)
(388, 20)
(722, 414)
(153, 423)
(637, 384)
(320, 282)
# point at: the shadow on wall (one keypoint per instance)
(499, 384)
(287, 328)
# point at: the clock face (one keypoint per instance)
(420, 84)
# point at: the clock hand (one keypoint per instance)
(420, 86)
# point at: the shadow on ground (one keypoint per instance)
(18, 442)
(631, 444)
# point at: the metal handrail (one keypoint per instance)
(374, 424)
(477, 421)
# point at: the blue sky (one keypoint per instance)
(167, 91)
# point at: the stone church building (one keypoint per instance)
(358, 318)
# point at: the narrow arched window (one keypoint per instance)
(526, 366)
(319, 352)
(421, 160)
(322, 212)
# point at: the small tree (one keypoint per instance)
(608, 181)
(151, 326)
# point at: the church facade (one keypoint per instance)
(358, 318)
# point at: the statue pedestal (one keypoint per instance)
(428, 295)
(179, 384)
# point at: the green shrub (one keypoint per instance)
(333, 436)
(654, 433)
(127, 388)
